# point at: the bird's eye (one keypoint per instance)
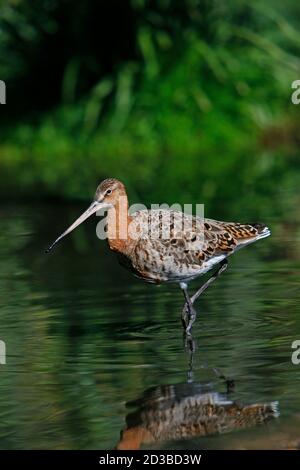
(108, 191)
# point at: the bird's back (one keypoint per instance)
(173, 246)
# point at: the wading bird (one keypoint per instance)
(161, 245)
(188, 411)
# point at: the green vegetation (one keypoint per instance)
(186, 100)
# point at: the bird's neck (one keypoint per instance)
(118, 221)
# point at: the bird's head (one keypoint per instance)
(109, 192)
(107, 196)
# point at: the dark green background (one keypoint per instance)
(184, 100)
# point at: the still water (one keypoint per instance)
(96, 359)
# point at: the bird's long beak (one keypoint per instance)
(94, 207)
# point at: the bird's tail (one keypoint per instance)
(262, 231)
(246, 233)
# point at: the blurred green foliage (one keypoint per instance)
(186, 100)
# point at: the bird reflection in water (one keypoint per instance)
(189, 410)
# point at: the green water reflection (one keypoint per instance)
(84, 338)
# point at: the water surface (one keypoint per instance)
(97, 359)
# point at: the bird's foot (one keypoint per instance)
(185, 316)
(188, 317)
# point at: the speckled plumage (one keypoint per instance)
(168, 253)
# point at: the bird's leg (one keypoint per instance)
(222, 267)
(191, 346)
(189, 313)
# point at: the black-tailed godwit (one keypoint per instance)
(192, 247)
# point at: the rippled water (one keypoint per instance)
(97, 359)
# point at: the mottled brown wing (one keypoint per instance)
(230, 235)
(200, 244)
(210, 238)
(188, 240)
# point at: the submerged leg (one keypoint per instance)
(230, 384)
(222, 267)
(191, 346)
